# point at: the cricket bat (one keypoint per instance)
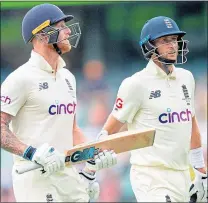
(119, 142)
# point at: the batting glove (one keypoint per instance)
(104, 159)
(51, 160)
(103, 134)
(93, 188)
(198, 189)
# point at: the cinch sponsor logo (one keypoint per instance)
(5, 99)
(62, 108)
(172, 117)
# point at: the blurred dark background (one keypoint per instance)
(108, 52)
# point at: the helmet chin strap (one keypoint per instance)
(165, 62)
(57, 49)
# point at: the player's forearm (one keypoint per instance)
(112, 125)
(196, 147)
(78, 136)
(10, 142)
(195, 135)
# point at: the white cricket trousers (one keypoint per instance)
(159, 184)
(66, 186)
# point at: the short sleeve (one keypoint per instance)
(128, 101)
(13, 94)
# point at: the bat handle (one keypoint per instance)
(29, 167)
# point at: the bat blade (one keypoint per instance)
(119, 142)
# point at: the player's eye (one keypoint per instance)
(165, 40)
(63, 27)
(169, 40)
(174, 39)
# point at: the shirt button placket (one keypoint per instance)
(168, 81)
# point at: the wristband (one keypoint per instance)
(29, 152)
(197, 158)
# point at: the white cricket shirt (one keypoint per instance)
(43, 103)
(152, 99)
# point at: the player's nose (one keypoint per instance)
(174, 43)
(68, 31)
(172, 46)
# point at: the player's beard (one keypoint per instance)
(64, 46)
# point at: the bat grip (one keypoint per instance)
(29, 167)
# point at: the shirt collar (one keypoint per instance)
(156, 70)
(43, 64)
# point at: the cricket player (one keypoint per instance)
(161, 96)
(39, 99)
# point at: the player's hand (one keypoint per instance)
(104, 159)
(93, 187)
(198, 189)
(51, 160)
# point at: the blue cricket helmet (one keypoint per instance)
(159, 27)
(39, 17)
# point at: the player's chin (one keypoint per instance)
(172, 56)
(65, 48)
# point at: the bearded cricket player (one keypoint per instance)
(38, 101)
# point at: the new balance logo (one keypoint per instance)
(155, 94)
(43, 86)
(167, 197)
(49, 197)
